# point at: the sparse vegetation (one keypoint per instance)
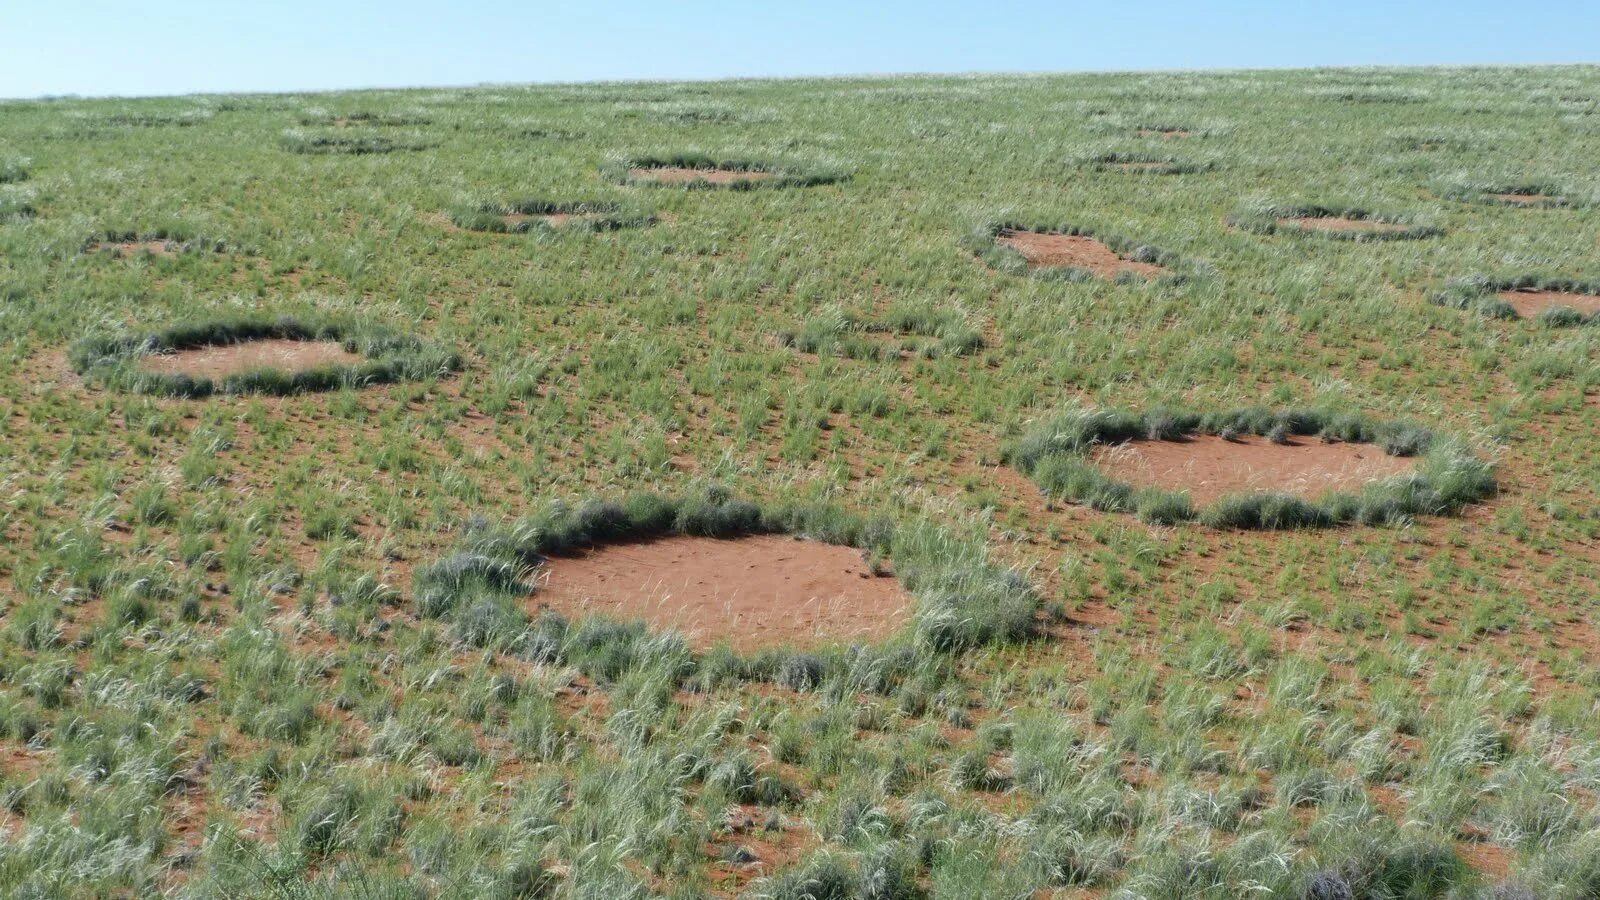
(284, 644)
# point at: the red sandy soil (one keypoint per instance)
(1163, 132)
(751, 592)
(679, 174)
(1209, 467)
(1530, 303)
(133, 248)
(1042, 250)
(229, 359)
(1523, 199)
(1340, 223)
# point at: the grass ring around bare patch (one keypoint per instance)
(1552, 301)
(1167, 131)
(1000, 243)
(1518, 194)
(1430, 142)
(15, 209)
(521, 216)
(1144, 164)
(487, 590)
(696, 171)
(1057, 455)
(362, 117)
(1346, 223)
(376, 356)
(329, 141)
(927, 331)
(13, 171)
(154, 242)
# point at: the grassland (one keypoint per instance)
(232, 662)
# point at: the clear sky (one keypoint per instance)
(92, 47)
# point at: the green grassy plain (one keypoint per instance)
(218, 677)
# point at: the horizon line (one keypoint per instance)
(835, 76)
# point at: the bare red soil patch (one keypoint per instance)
(555, 220)
(748, 592)
(230, 359)
(134, 248)
(1048, 249)
(1339, 223)
(1530, 303)
(1209, 467)
(683, 174)
(1524, 199)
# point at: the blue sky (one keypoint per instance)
(181, 46)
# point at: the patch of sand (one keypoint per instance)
(1340, 223)
(1516, 199)
(555, 220)
(683, 174)
(134, 248)
(1209, 467)
(223, 360)
(1044, 250)
(757, 591)
(1530, 303)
